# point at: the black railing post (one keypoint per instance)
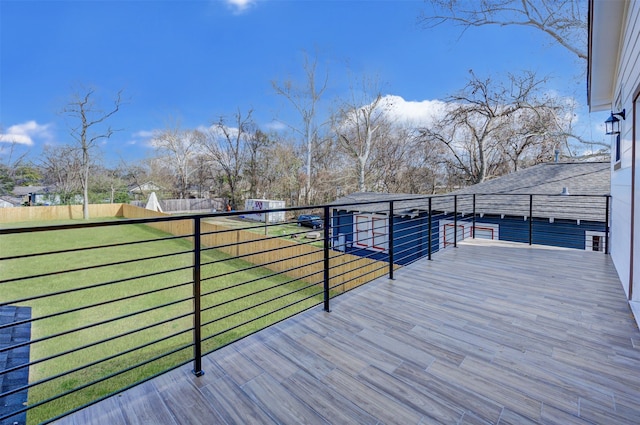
(429, 230)
(197, 320)
(327, 225)
(473, 219)
(391, 259)
(530, 219)
(455, 221)
(606, 225)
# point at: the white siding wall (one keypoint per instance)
(636, 249)
(626, 88)
(620, 222)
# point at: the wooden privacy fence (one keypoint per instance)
(58, 212)
(187, 205)
(296, 260)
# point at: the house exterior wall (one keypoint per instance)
(344, 239)
(626, 89)
(411, 234)
(265, 204)
(560, 233)
(620, 222)
(636, 230)
(411, 237)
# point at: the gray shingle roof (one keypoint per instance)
(359, 202)
(509, 194)
(581, 178)
(26, 190)
(13, 200)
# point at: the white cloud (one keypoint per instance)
(413, 113)
(206, 129)
(142, 137)
(239, 6)
(144, 134)
(276, 126)
(23, 134)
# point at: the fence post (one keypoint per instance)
(473, 219)
(606, 225)
(197, 319)
(327, 224)
(455, 221)
(429, 230)
(391, 259)
(530, 219)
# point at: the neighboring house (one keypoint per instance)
(10, 201)
(613, 84)
(141, 192)
(502, 209)
(28, 194)
(573, 221)
(199, 192)
(42, 195)
(362, 229)
(36, 195)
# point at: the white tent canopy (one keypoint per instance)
(153, 204)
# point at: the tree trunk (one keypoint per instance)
(307, 186)
(85, 182)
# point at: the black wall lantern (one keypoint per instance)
(612, 124)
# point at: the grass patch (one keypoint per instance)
(289, 231)
(161, 287)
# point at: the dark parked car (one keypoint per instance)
(313, 221)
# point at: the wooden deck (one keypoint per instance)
(486, 333)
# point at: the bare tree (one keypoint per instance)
(282, 177)
(12, 164)
(403, 163)
(480, 115)
(225, 147)
(62, 167)
(304, 98)
(333, 171)
(256, 143)
(159, 171)
(565, 21)
(179, 149)
(532, 136)
(202, 176)
(358, 124)
(571, 142)
(87, 130)
(7, 183)
(109, 185)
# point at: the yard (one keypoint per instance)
(285, 230)
(136, 311)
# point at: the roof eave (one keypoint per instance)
(605, 31)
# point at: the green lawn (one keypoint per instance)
(172, 287)
(284, 230)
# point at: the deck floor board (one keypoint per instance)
(486, 333)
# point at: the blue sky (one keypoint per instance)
(193, 61)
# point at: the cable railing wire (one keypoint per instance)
(280, 283)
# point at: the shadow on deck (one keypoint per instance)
(487, 333)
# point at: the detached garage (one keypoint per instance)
(558, 204)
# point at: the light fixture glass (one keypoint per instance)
(612, 124)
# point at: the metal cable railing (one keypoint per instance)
(113, 303)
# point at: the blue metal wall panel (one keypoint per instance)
(411, 234)
(411, 237)
(561, 233)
